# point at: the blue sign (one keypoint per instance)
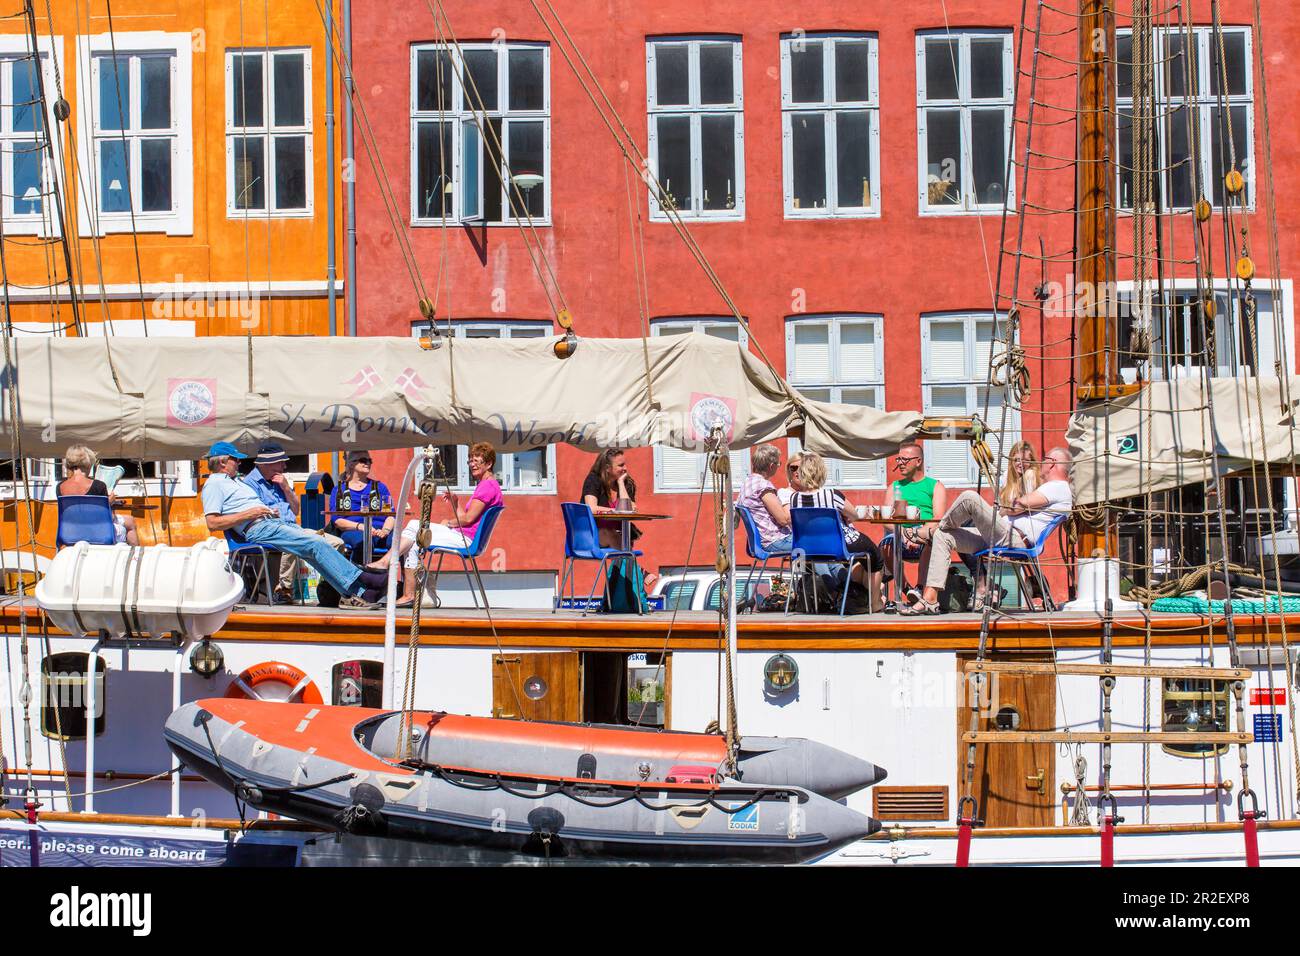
(1268, 728)
(99, 849)
(746, 819)
(654, 602)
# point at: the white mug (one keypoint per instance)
(913, 512)
(863, 512)
(886, 511)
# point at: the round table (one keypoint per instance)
(625, 532)
(895, 524)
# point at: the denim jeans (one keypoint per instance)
(780, 545)
(341, 573)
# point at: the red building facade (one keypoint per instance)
(842, 167)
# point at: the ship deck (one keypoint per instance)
(688, 630)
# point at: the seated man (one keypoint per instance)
(1020, 526)
(268, 480)
(231, 504)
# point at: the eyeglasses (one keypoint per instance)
(913, 458)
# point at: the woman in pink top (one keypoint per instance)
(458, 530)
(759, 497)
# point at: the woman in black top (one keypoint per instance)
(79, 464)
(606, 484)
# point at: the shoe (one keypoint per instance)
(281, 597)
(356, 602)
(921, 608)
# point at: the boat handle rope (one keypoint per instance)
(567, 790)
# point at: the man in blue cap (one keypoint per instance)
(231, 504)
(276, 491)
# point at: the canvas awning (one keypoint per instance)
(172, 398)
(1179, 432)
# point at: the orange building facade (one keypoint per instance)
(189, 152)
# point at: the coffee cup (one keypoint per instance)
(913, 512)
(886, 511)
(864, 512)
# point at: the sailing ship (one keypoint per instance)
(930, 702)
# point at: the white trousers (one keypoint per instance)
(439, 535)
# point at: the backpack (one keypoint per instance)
(956, 594)
(624, 588)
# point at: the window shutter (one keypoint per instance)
(811, 359)
(949, 461)
(862, 474)
(679, 470)
(858, 356)
(983, 349)
(947, 354)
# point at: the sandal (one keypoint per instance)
(922, 608)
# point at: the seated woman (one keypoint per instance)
(813, 493)
(458, 530)
(357, 491)
(79, 465)
(605, 486)
(1022, 475)
(759, 497)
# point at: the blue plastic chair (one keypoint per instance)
(86, 518)
(754, 548)
(241, 550)
(819, 536)
(1022, 559)
(582, 543)
(469, 553)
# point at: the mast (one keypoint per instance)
(1095, 228)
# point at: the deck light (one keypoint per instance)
(780, 674)
(206, 658)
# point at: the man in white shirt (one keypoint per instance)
(1020, 526)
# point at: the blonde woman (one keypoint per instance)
(813, 493)
(1022, 475)
(79, 469)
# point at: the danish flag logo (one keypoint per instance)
(409, 383)
(364, 381)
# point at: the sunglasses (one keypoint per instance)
(902, 460)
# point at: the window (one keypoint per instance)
(64, 695)
(39, 474)
(480, 133)
(1178, 345)
(697, 127)
(678, 595)
(675, 468)
(1190, 116)
(964, 87)
(138, 154)
(1190, 705)
(956, 353)
(357, 684)
(830, 126)
(839, 359)
(25, 175)
(268, 132)
(520, 472)
(646, 689)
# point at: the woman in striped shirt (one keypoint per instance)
(813, 493)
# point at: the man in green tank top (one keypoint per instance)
(928, 495)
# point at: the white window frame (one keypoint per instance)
(839, 381)
(740, 463)
(463, 114)
(504, 467)
(1207, 103)
(694, 110)
(180, 220)
(974, 377)
(830, 108)
(965, 105)
(269, 133)
(1266, 338)
(46, 222)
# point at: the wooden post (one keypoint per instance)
(1095, 228)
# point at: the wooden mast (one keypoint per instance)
(1095, 227)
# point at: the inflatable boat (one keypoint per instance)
(560, 791)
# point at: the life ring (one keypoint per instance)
(300, 688)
